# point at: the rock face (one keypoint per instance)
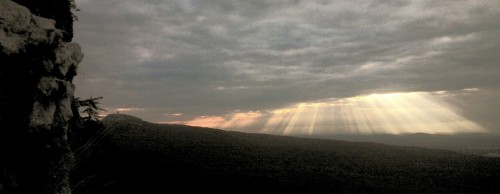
(37, 67)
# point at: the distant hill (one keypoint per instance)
(484, 144)
(141, 157)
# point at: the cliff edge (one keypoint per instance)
(36, 93)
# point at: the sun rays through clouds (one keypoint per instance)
(394, 113)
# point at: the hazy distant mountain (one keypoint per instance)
(473, 143)
(142, 157)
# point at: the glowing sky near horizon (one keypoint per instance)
(393, 113)
(295, 66)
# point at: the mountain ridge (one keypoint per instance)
(145, 157)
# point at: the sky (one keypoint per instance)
(291, 66)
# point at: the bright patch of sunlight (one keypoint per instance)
(232, 121)
(396, 113)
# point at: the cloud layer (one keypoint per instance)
(212, 58)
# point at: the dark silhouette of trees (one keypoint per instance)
(90, 108)
(84, 128)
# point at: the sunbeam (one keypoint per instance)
(396, 113)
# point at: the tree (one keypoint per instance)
(85, 129)
(90, 108)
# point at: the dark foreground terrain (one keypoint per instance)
(132, 156)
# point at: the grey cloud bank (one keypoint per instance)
(216, 57)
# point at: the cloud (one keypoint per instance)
(393, 113)
(174, 114)
(234, 121)
(129, 109)
(215, 57)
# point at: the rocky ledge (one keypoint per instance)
(36, 92)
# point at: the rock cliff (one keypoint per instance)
(36, 91)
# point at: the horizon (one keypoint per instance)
(296, 67)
